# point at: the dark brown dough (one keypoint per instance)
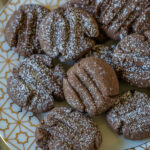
(68, 33)
(132, 59)
(90, 86)
(35, 84)
(121, 17)
(22, 29)
(66, 129)
(131, 115)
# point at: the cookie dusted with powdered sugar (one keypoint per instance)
(67, 33)
(87, 5)
(130, 116)
(132, 58)
(22, 29)
(100, 6)
(35, 84)
(90, 7)
(91, 86)
(122, 17)
(66, 129)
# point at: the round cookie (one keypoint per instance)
(35, 84)
(90, 86)
(132, 59)
(68, 33)
(130, 116)
(90, 7)
(122, 17)
(22, 29)
(66, 129)
(87, 5)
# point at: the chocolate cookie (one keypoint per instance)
(36, 83)
(132, 59)
(68, 33)
(90, 86)
(103, 52)
(66, 129)
(87, 5)
(131, 115)
(90, 7)
(121, 17)
(100, 6)
(22, 29)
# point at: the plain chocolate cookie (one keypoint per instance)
(122, 17)
(67, 33)
(35, 84)
(90, 86)
(132, 59)
(131, 115)
(22, 29)
(66, 129)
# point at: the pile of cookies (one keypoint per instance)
(76, 33)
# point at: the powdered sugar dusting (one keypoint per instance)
(132, 58)
(67, 128)
(63, 33)
(131, 115)
(88, 5)
(23, 27)
(121, 16)
(37, 82)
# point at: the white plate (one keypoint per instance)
(16, 125)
